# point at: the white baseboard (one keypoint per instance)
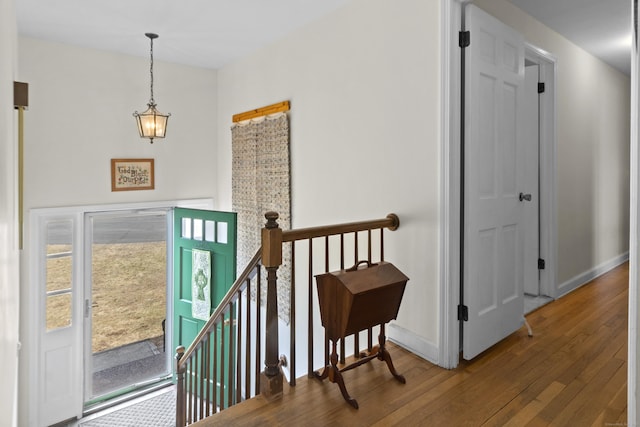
(412, 342)
(583, 278)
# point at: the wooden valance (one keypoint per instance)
(259, 112)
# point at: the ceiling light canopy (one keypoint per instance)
(151, 122)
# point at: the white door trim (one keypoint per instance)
(633, 417)
(449, 283)
(547, 173)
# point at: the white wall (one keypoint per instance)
(80, 116)
(592, 148)
(364, 87)
(9, 271)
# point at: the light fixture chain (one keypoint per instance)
(151, 72)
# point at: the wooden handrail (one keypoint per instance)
(392, 222)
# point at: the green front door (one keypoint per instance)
(208, 239)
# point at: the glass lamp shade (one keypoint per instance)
(151, 123)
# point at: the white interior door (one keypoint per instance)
(531, 168)
(493, 214)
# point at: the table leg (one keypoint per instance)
(336, 377)
(383, 354)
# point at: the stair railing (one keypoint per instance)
(210, 373)
(222, 365)
(273, 239)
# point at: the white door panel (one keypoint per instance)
(60, 390)
(493, 246)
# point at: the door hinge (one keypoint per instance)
(464, 39)
(541, 264)
(463, 312)
(541, 87)
(86, 308)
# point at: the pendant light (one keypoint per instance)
(151, 122)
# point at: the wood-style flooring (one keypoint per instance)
(572, 372)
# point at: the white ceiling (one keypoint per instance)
(212, 33)
(602, 27)
(202, 33)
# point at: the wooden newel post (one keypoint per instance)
(271, 378)
(180, 392)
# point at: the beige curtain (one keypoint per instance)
(261, 183)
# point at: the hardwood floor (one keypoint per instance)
(572, 372)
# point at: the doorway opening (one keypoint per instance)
(66, 245)
(539, 174)
(126, 341)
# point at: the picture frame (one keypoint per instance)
(132, 174)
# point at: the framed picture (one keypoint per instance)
(132, 174)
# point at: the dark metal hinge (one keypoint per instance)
(541, 264)
(463, 312)
(464, 39)
(540, 87)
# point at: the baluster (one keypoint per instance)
(292, 318)
(310, 315)
(196, 384)
(326, 254)
(203, 372)
(207, 376)
(258, 331)
(190, 391)
(232, 344)
(222, 350)
(194, 387)
(370, 331)
(180, 388)
(356, 336)
(215, 370)
(247, 358)
(238, 384)
(341, 251)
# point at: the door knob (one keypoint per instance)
(526, 197)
